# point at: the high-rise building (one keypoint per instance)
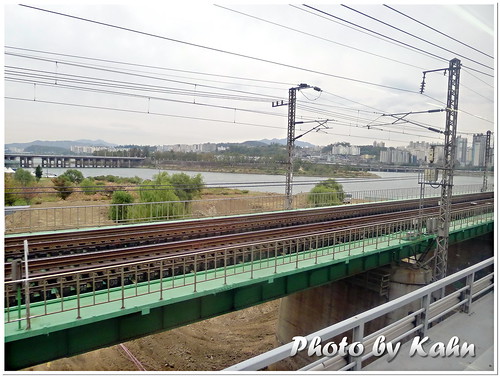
(386, 156)
(478, 149)
(461, 151)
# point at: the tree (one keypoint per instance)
(38, 172)
(326, 193)
(185, 187)
(63, 186)
(9, 196)
(24, 177)
(73, 175)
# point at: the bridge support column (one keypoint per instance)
(305, 312)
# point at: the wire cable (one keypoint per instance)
(151, 66)
(217, 49)
(140, 112)
(389, 38)
(415, 36)
(437, 31)
(318, 37)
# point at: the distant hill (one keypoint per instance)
(42, 149)
(64, 144)
(254, 143)
(299, 143)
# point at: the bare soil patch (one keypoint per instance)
(209, 345)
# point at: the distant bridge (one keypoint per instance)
(27, 160)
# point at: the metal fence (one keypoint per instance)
(77, 290)
(464, 286)
(26, 220)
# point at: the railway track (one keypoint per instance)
(63, 276)
(68, 262)
(69, 242)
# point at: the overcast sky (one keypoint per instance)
(66, 79)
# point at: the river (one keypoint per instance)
(276, 183)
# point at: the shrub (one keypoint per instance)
(24, 177)
(88, 186)
(326, 193)
(73, 175)
(118, 211)
(9, 196)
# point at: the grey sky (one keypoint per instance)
(215, 27)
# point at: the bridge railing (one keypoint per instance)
(462, 289)
(33, 219)
(120, 283)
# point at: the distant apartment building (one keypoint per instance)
(478, 149)
(385, 156)
(419, 150)
(86, 149)
(461, 151)
(396, 157)
(185, 148)
(379, 144)
(350, 150)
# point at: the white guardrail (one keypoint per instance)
(416, 322)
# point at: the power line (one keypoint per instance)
(58, 78)
(151, 66)
(50, 79)
(389, 38)
(198, 93)
(269, 98)
(437, 31)
(477, 78)
(140, 112)
(317, 37)
(107, 69)
(217, 49)
(414, 36)
(459, 110)
(148, 97)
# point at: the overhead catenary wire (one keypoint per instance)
(50, 76)
(218, 50)
(224, 121)
(416, 36)
(149, 97)
(115, 71)
(151, 66)
(319, 37)
(438, 31)
(349, 118)
(387, 37)
(187, 83)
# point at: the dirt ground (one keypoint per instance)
(209, 345)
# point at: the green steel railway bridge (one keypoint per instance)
(62, 313)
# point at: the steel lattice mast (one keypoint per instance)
(441, 251)
(292, 97)
(487, 156)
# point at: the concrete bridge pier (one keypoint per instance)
(308, 311)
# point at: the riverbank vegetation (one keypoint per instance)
(241, 158)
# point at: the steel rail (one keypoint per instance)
(138, 278)
(58, 243)
(114, 255)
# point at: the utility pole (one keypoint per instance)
(440, 257)
(487, 155)
(290, 141)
